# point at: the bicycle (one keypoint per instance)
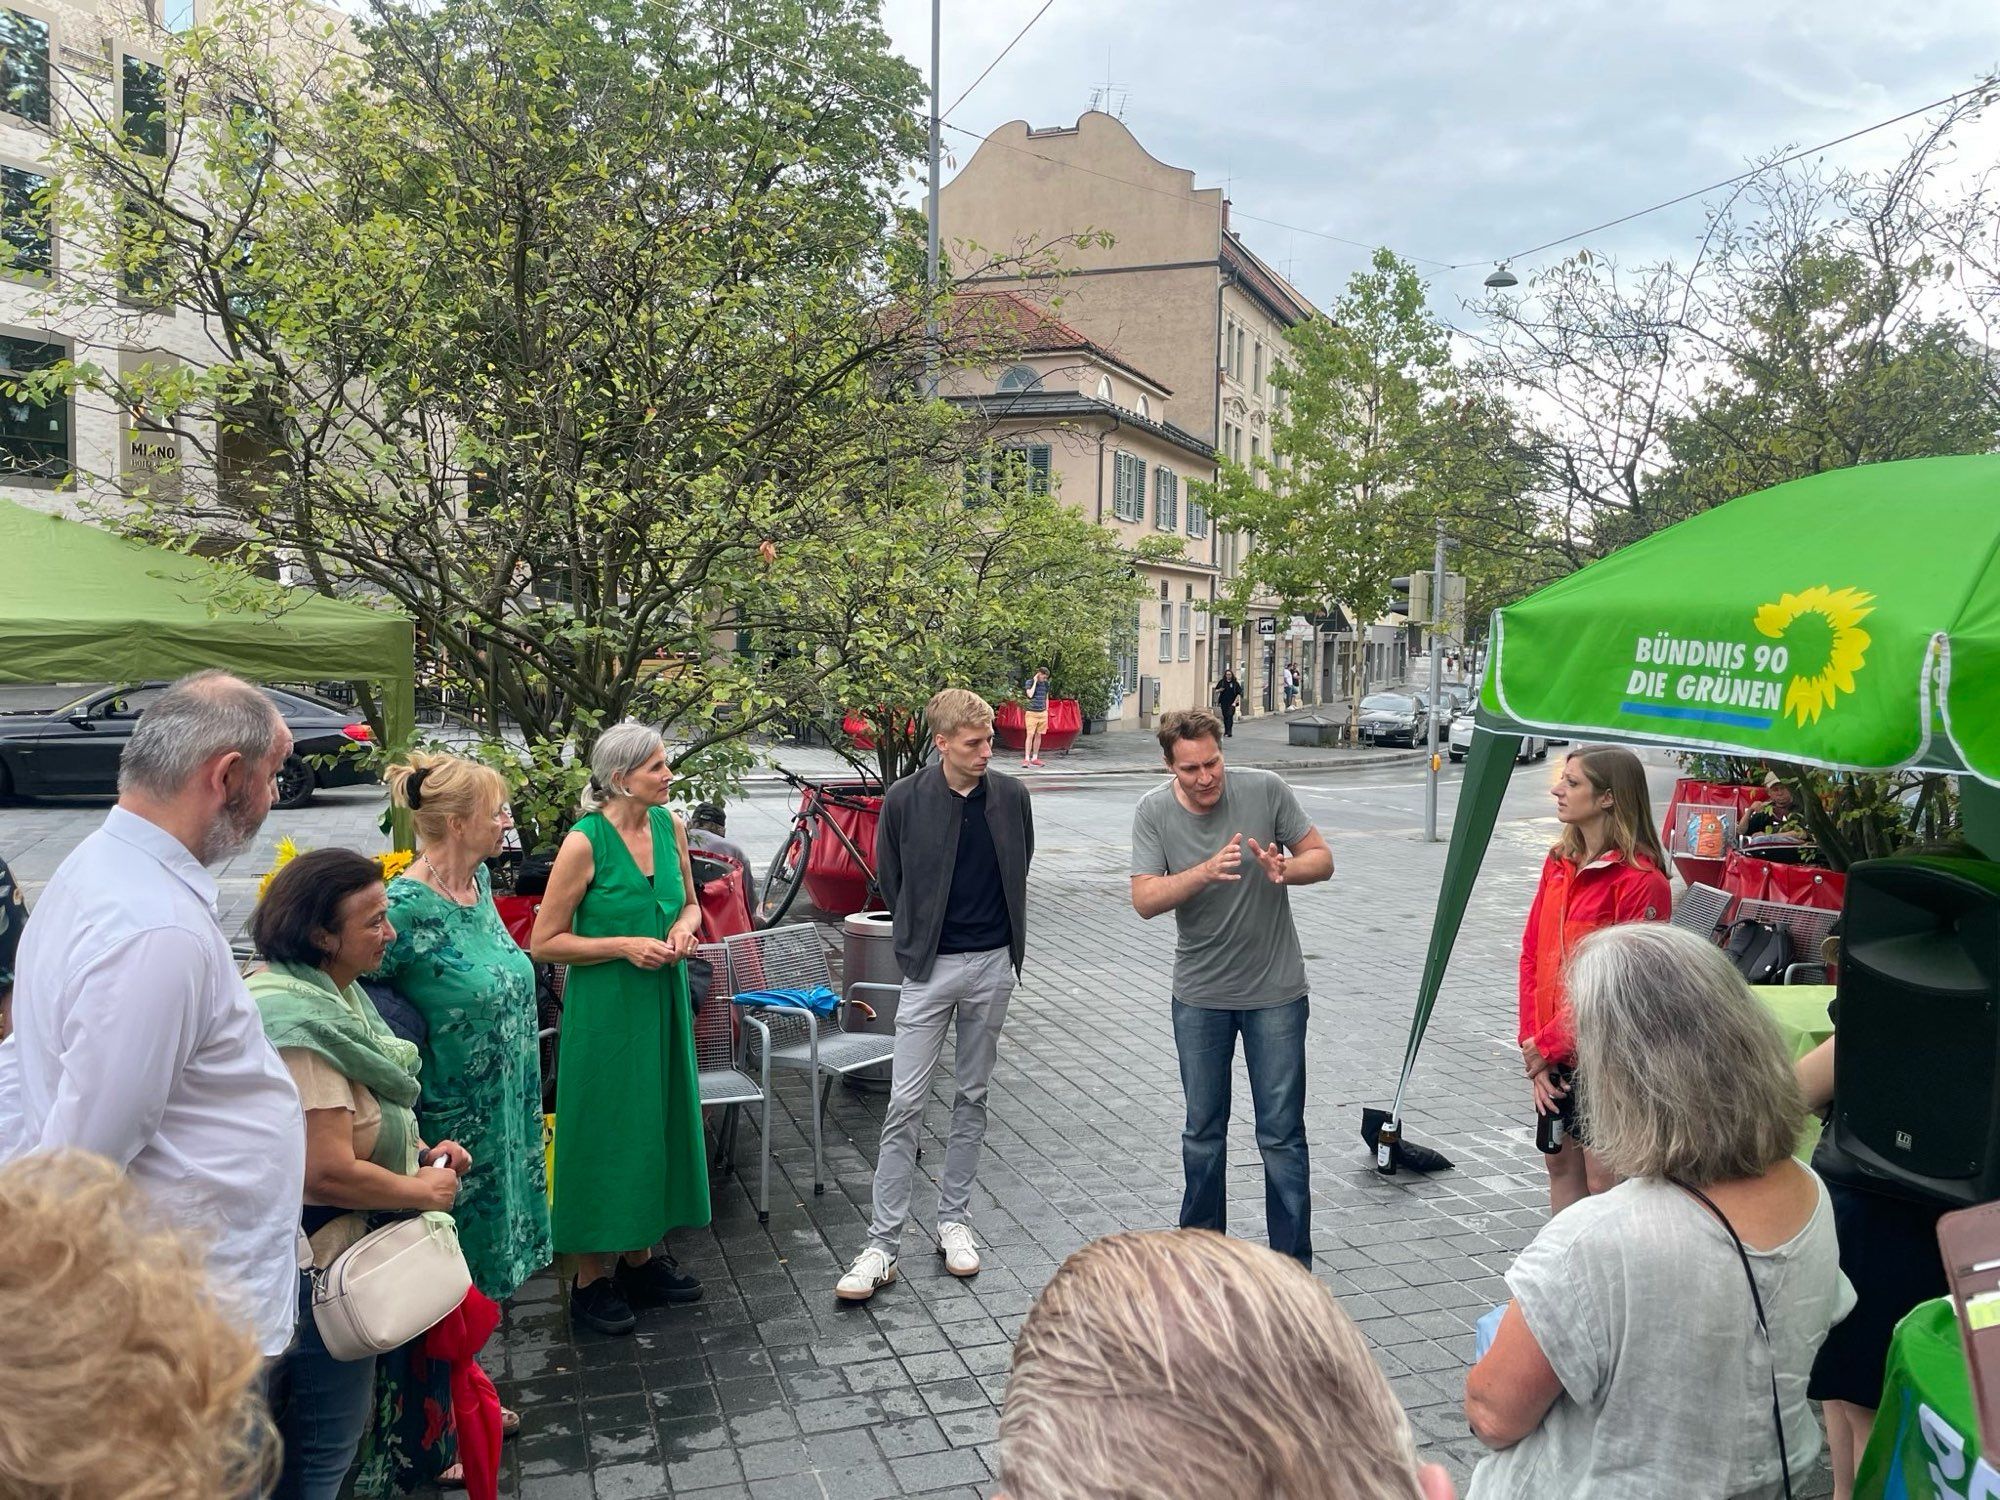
(788, 869)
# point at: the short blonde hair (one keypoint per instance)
(118, 1374)
(438, 788)
(1680, 1070)
(955, 708)
(1184, 1365)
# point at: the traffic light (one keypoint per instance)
(1411, 598)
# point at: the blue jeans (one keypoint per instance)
(323, 1410)
(1274, 1051)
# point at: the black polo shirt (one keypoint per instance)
(975, 913)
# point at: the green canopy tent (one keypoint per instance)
(1849, 621)
(79, 604)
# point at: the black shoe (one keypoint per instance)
(658, 1282)
(601, 1307)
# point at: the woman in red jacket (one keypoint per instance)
(1606, 868)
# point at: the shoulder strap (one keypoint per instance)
(1763, 1326)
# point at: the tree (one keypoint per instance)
(1336, 509)
(973, 588)
(575, 331)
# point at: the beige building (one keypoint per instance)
(1105, 435)
(1176, 293)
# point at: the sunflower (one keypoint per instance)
(1824, 642)
(286, 852)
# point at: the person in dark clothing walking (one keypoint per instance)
(951, 855)
(1228, 692)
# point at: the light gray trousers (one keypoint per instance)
(973, 988)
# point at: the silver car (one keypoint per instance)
(1533, 746)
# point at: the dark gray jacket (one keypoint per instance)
(916, 845)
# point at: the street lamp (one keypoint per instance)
(1502, 278)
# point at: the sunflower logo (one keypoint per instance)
(1824, 645)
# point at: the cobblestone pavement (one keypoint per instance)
(770, 1388)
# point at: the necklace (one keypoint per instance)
(438, 880)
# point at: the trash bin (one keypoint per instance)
(868, 956)
(1314, 729)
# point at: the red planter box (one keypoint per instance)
(1065, 724)
(1795, 885)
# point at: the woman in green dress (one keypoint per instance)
(621, 911)
(454, 961)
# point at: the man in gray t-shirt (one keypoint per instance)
(1218, 850)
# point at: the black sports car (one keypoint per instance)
(73, 751)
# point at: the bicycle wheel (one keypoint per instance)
(783, 879)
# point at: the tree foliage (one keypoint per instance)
(587, 335)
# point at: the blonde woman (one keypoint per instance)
(621, 911)
(1606, 868)
(453, 960)
(119, 1372)
(1184, 1365)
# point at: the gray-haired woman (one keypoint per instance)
(1631, 1361)
(621, 911)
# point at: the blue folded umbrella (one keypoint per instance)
(819, 999)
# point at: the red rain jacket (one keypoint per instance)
(1569, 905)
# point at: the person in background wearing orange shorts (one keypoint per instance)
(1035, 717)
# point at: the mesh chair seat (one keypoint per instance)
(727, 1086)
(839, 1051)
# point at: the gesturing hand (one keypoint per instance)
(1226, 863)
(1272, 858)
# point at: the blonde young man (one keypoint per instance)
(951, 855)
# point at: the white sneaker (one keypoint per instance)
(961, 1256)
(872, 1268)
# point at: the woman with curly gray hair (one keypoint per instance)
(622, 912)
(1660, 1334)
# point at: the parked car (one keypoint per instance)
(73, 751)
(1533, 746)
(1388, 717)
(1454, 703)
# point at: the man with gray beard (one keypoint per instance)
(134, 1036)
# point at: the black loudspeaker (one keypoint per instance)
(1917, 1068)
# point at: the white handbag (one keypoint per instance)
(389, 1286)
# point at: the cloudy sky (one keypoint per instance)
(1455, 131)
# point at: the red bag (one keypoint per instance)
(1795, 885)
(722, 888)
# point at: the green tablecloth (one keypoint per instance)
(1800, 1011)
(1925, 1443)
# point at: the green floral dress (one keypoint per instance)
(482, 1077)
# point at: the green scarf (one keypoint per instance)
(302, 1008)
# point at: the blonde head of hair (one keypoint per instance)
(437, 788)
(954, 709)
(1182, 1365)
(118, 1374)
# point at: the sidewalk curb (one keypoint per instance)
(1373, 762)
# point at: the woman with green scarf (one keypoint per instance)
(322, 924)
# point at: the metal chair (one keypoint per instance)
(795, 957)
(1701, 909)
(720, 1076)
(1806, 926)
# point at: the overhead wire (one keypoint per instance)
(1001, 58)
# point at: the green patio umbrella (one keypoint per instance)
(1849, 621)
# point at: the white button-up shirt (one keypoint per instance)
(135, 1038)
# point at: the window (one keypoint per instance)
(1227, 428)
(1166, 625)
(988, 471)
(34, 434)
(1236, 367)
(1228, 340)
(1256, 452)
(177, 15)
(1197, 517)
(1187, 625)
(1236, 444)
(1166, 498)
(1257, 367)
(24, 222)
(1018, 378)
(142, 98)
(1128, 487)
(24, 66)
